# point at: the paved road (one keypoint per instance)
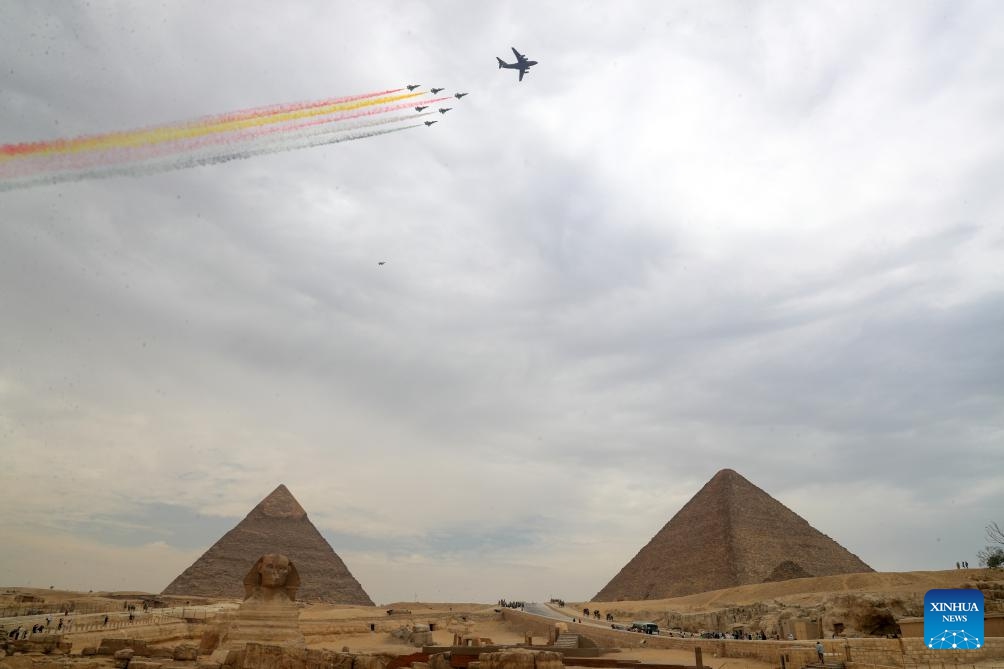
(545, 611)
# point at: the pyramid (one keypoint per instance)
(730, 533)
(277, 525)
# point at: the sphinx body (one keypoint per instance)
(269, 613)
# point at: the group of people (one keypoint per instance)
(962, 565)
(749, 636)
(22, 633)
(511, 605)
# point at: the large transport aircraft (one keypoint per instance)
(521, 64)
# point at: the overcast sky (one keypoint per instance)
(763, 236)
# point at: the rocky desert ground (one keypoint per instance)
(865, 604)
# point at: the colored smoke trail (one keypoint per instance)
(89, 160)
(208, 140)
(55, 145)
(184, 130)
(316, 137)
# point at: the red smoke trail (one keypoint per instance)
(196, 161)
(32, 147)
(123, 156)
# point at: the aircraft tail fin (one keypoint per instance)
(500, 62)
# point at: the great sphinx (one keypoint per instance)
(272, 578)
(269, 613)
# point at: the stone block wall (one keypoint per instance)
(261, 656)
(321, 629)
(169, 630)
(520, 659)
(862, 652)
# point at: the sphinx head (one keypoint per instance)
(273, 570)
(271, 576)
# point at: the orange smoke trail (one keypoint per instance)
(31, 165)
(215, 124)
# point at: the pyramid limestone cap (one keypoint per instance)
(280, 503)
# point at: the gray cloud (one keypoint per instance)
(745, 236)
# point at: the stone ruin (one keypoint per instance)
(46, 644)
(417, 635)
(519, 658)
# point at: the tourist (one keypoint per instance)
(819, 651)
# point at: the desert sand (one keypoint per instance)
(335, 627)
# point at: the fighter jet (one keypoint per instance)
(430, 122)
(381, 262)
(413, 87)
(436, 90)
(443, 110)
(421, 108)
(460, 95)
(521, 64)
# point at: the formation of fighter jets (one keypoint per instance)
(522, 64)
(434, 91)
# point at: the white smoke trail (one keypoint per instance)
(210, 155)
(21, 167)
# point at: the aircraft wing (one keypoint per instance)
(520, 58)
(522, 71)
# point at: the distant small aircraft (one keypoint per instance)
(421, 108)
(521, 64)
(413, 87)
(382, 262)
(430, 122)
(443, 110)
(460, 95)
(436, 90)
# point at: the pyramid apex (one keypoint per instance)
(280, 503)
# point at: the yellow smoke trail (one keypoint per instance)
(168, 134)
